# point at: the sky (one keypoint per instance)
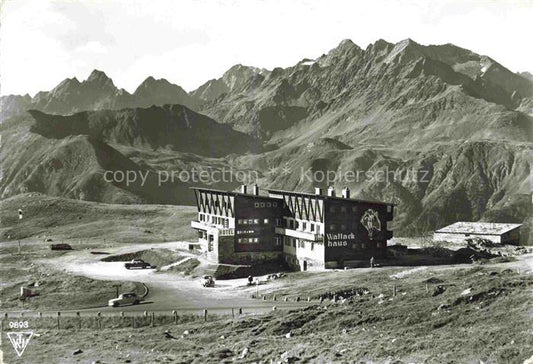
(191, 41)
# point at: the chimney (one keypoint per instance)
(331, 191)
(345, 192)
(255, 189)
(243, 189)
(318, 191)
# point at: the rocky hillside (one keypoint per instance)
(451, 131)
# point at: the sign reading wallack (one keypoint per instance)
(339, 240)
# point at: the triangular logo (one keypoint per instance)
(20, 340)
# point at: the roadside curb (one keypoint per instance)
(146, 290)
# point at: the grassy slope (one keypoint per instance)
(57, 290)
(492, 326)
(65, 219)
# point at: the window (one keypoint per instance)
(304, 225)
(312, 246)
(343, 209)
(354, 209)
(291, 224)
(256, 240)
(343, 227)
(265, 221)
(332, 209)
(312, 227)
(269, 204)
(256, 221)
(250, 221)
(257, 204)
(239, 240)
(262, 204)
(294, 243)
(274, 204)
(332, 227)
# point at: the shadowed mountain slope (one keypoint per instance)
(171, 127)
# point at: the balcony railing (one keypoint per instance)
(226, 232)
(206, 226)
(299, 234)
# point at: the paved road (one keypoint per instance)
(167, 291)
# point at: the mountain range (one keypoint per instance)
(97, 92)
(460, 120)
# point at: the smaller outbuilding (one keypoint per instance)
(500, 233)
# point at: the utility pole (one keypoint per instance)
(20, 218)
(116, 288)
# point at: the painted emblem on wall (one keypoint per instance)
(370, 221)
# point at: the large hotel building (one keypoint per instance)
(308, 231)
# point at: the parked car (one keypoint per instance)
(60, 247)
(138, 264)
(208, 281)
(125, 299)
(275, 276)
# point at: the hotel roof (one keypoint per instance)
(292, 193)
(481, 228)
(325, 196)
(232, 193)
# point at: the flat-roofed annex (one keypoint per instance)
(485, 228)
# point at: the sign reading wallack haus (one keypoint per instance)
(339, 240)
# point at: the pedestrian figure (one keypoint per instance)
(372, 262)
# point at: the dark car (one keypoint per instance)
(138, 264)
(207, 281)
(60, 247)
(124, 299)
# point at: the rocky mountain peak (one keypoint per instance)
(97, 76)
(406, 49)
(150, 84)
(347, 43)
(527, 75)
